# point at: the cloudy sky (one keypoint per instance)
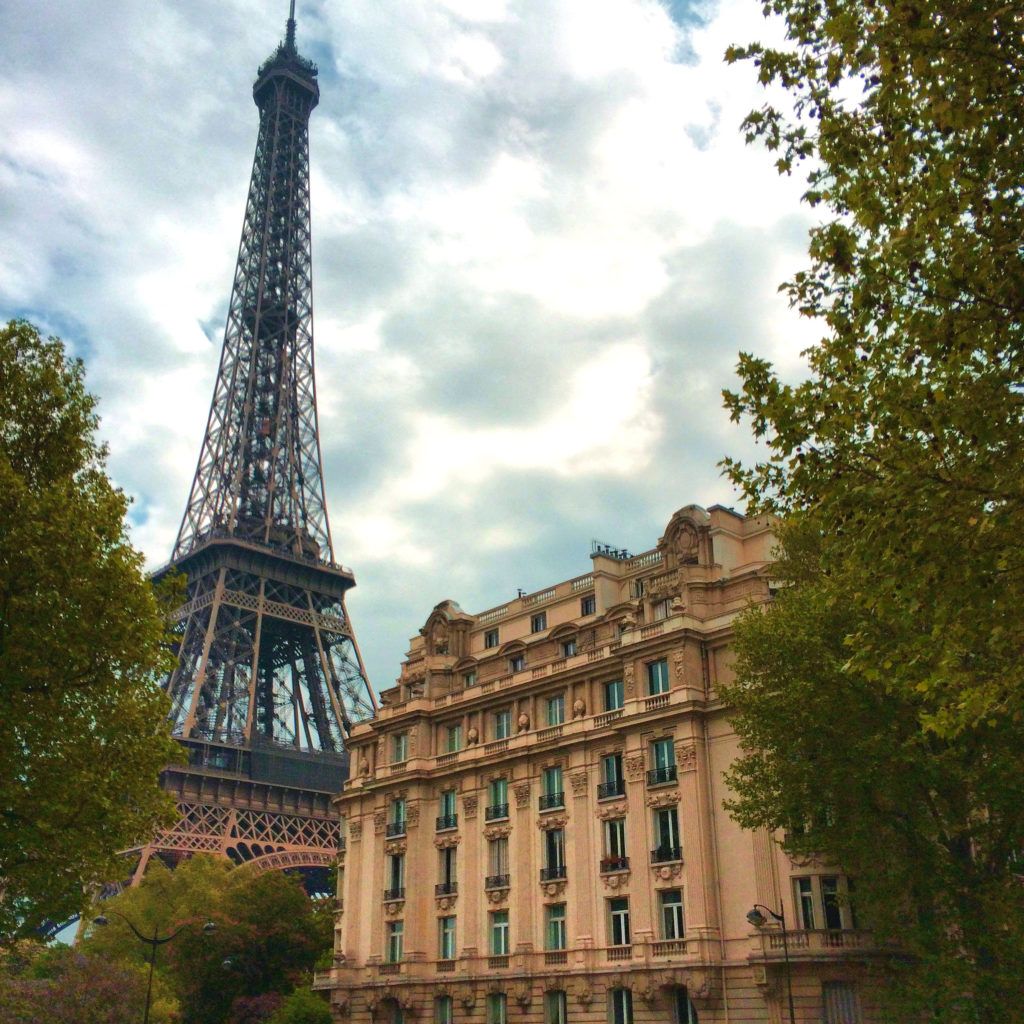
(539, 244)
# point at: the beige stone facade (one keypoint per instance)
(534, 823)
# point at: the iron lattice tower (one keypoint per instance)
(269, 676)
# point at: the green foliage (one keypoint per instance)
(85, 733)
(303, 1006)
(883, 690)
(59, 985)
(268, 931)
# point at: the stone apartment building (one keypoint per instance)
(534, 828)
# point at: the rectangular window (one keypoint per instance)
(612, 782)
(662, 610)
(554, 852)
(468, 679)
(446, 938)
(517, 663)
(394, 947)
(666, 835)
(663, 757)
(621, 1008)
(613, 695)
(686, 1012)
(499, 933)
(551, 784)
(446, 869)
(805, 902)
(538, 622)
(497, 1008)
(447, 803)
(840, 1003)
(443, 1007)
(554, 1007)
(398, 811)
(554, 932)
(657, 677)
(503, 724)
(497, 800)
(671, 913)
(830, 902)
(569, 650)
(556, 709)
(618, 914)
(400, 747)
(588, 605)
(491, 638)
(396, 877)
(453, 738)
(498, 856)
(615, 838)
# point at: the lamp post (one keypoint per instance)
(758, 920)
(153, 941)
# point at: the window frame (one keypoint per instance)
(395, 942)
(502, 723)
(399, 747)
(517, 662)
(556, 709)
(588, 605)
(614, 695)
(555, 937)
(619, 933)
(538, 622)
(620, 1006)
(657, 677)
(490, 639)
(498, 932)
(672, 917)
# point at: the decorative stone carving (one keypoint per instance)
(666, 872)
(686, 759)
(552, 889)
(412, 815)
(579, 708)
(497, 831)
(364, 771)
(702, 984)
(497, 896)
(552, 821)
(606, 811)
(412, 741)
(394, 908)
(341, 1005)
(446, 902)
(583, 993)
(379, 821)
(355, 831)
(470, 802)
(468, 999)
(663, 799)
(522, 995)
(472, 737)
(629, 680)
(647, 992)
(579, 783)
(446, 841)
(616, 880)
(523, 722)
(522, 793)
(394, 847)
(634, 767)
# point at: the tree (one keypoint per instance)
(84, 724)
(303, 1006)
(880, 698)
(268, 937)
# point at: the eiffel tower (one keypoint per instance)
(269, 676)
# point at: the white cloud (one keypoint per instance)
(539, 243)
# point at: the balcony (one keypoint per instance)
(446, 821)
(610, 864)
(556, 957)
(668, 947)
(814, 942)
(394, 828)
(553, 874)
(620, 952)
(446, 889)
(390, 895)
(659, 776)
(549, 800)
(606, 790)
(497, 962)
(496, 882)
(664, 854)
(495, 811)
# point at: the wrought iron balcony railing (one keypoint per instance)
(659, 776)
(445, 821)
(553, 873)
(495, 811)
(661, 854)
(395, 828)
(395, 894)
(617, 787)
(614, 864)
(549, 800)
(446, 889)
(496, 882)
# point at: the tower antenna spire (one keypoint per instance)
(290, 32)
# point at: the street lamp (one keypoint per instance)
(758, 920)
(152, 941)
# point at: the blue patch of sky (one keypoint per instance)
(54, 323)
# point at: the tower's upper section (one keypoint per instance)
(285, 62)
(259, 477)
